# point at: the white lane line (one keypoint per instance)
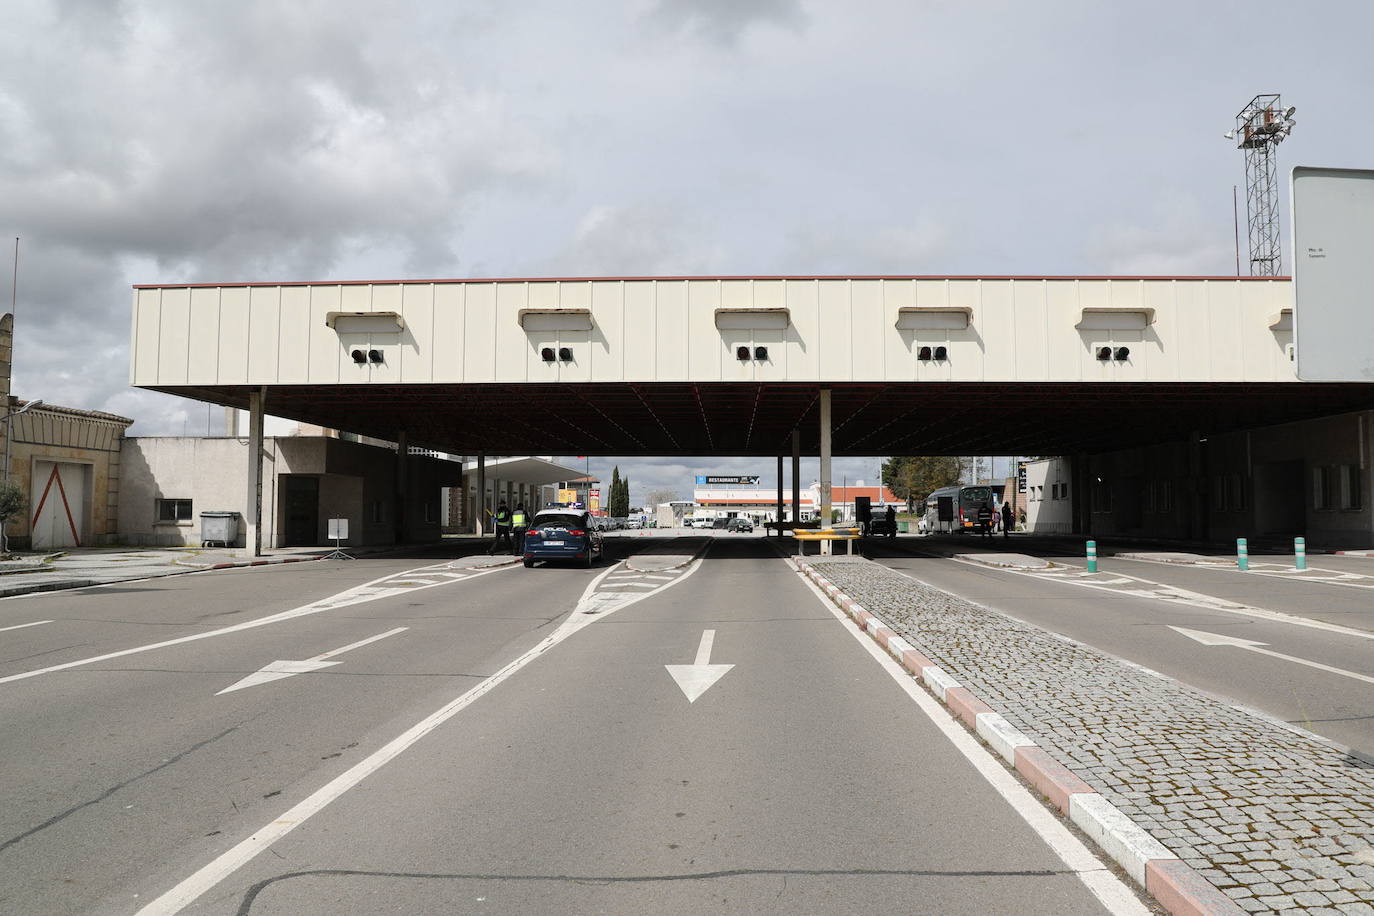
(284, 668)
(1159, 591)
(1095, 874)
(20, 626)
(224, 865)
(1250, 645)
(629, 585)
(356, 595)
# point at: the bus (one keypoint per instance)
(955, 509)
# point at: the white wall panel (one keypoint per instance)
(1227, 353)
(703, 343)
(671, 318)
(417, 340)
(386, 297)
(1159, 295)
(293, 353)
(203, 365)
(1029, 358)
(867, 352)
(803, 306)
(172, 339)
(448, 345)
(608, 332)
(512, 343)
(325, 349)
(996, 327)
(479, 338)
(640, 329)
(899, 357)
(264, 333)
(233, 335)
(833, 335)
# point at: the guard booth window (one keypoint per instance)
(173, 510)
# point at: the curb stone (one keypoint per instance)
(1173, 884)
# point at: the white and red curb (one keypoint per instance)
(1176, 886)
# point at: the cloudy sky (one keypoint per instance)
(338, 139)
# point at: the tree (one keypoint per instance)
(618, 502)
(11, 505)
(913, 478)
(661, 496)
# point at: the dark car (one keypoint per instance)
(563, 534)
(739, 524)
(880, 526)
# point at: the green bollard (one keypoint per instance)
(1092, 556)
(1300, 553)
(1242, 554)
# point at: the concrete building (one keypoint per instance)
(1048, 497)
(760, 504)
(167, 482)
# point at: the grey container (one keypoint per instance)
(219, 528)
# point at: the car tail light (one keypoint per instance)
(576, 531)
(961, 514)
(531, 533)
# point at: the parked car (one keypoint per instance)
(880, 526)
(633, 523)
(740, 524)
(719, 522)
(563, 534)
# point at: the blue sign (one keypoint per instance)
(701, 480)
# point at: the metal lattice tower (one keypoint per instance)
(1260, 127)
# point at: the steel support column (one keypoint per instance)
(402, 488)
(479, 523)
(253, 536)
(796, 476)
(825, 464)
(779, 515)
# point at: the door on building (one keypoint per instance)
(59, 504)
(301, 511)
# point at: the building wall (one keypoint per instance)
(356, 482)
(1049, 496)
(835, 329)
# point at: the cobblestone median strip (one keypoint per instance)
(1228, 811)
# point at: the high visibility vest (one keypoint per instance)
(519, 519)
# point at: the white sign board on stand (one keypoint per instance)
(1333, 246)
(338, 529)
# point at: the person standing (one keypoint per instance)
(891, 522)
(1008, 519)
(985, 520)
(502, 522)
(519, 521)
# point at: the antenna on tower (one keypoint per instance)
(1260, 126)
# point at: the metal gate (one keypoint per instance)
(59, 490)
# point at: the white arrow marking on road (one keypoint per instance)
(697, 678)
(1250, 645)
(20, 626)
(282, 668)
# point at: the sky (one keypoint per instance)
(163, 142)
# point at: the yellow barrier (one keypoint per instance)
(825, 536)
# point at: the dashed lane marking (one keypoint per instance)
(20, 626)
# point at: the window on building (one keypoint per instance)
(1352, 489)
(431, 513)
(173, 510)
(378, 511)
(1324, 487)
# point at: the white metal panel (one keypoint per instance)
(1065, 346)
(640, 330)
(203, 365)
(352, 372)
(479, 333)
(833, 332)
(995, 334)
(1227, 353)
(386, 297)
(1190, 335)
(802, 298)
(704, 344)
(774, 368)
(1159, 296)
(579, 368)
(58, 501)
(448, 343)
(325, 348)
(417, 340)
(869, 329)
(174, 337)
(608, 335)
(965, 346)
(932, 293)
(1030, 360)
(293, 356)
(264, 333)
(545, 295)
(769, 294)
(672, 326)
(737, 294)
(512, 342)
(233, 335)
(899, 356)
(537, 369)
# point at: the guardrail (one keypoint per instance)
(825, 536)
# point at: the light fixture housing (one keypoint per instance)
(359, 357)
(565, 354)
(1122, 354)
(941, 354)
(1104, 353)
(374, 356)
(761, 354)
(547, 354)
(741, 353)
(923, 354)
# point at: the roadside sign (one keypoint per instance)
(1020, 477)
(338, 529)
(1333, 241)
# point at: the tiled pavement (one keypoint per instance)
(1277, 818)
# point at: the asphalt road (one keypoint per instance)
(804, 780)
(1333, 704)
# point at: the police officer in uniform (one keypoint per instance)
(502, 520)
(519, 521)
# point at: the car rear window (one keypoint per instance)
(560, 520)
(975, 495)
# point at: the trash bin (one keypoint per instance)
(904, 526)
(219, 528)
